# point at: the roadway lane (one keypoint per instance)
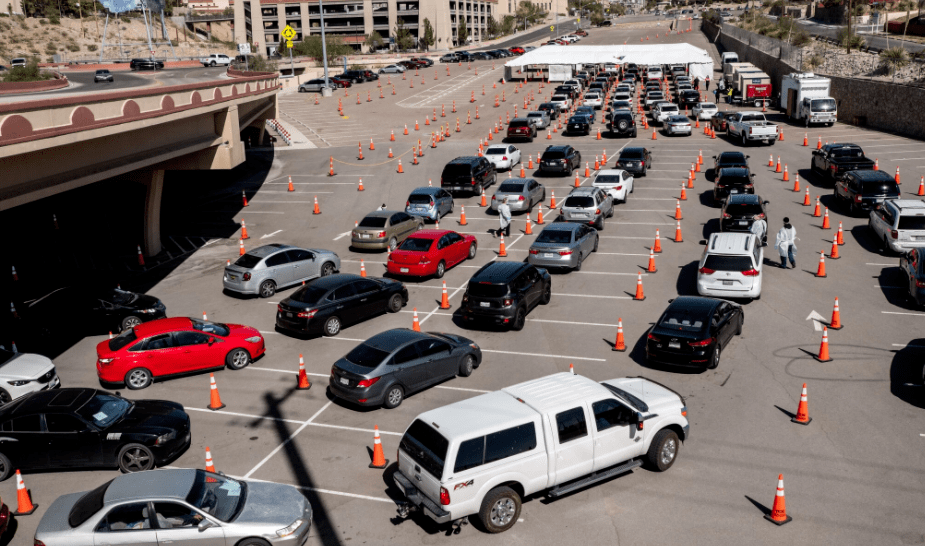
(564, 26)
(879, 42)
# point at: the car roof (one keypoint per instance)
(465, 160)
(609, 172)
(498, 272)
(696, 303)
(734, 171)
(163, 483)
(744, 199)
(516, 180)
(562, 226)
(392, 339)
(425, 190)
(723, 155)
(559, 148)
(160, 326)
(49, 400)
(584, 190)
(334, 281)
(478, 415)
(266, 250)
(914, 207)
(634, 149)
(381, 214)
(431, 234)
(872, 176)
(547, 393)
(731, 243)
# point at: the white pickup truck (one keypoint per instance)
(215, 59)
(752, 126)
(555, 435)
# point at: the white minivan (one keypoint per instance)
(730, 266)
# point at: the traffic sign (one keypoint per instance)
(288, 33)
(552, 28)
(289, 44)
(244, 49)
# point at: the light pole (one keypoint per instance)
(324, 45)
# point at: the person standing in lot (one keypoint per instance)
(786, 244)
(729, 96)
(760, 229)
(707, 82)
(504, 214)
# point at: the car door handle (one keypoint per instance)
(364, 299)
(340, 307)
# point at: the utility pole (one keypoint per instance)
(324, 43)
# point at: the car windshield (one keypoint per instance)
(209, 327)
(607, 180)
(496, 151)
(416, 244)
(373, 222)
(743, 209)
(511, 187)
(248, 261)
(823, 105)
(912, 222)
(426, 447)
(719, 262)
(419, 199)
(631, 154)
(579, 202)
(127, 337)
(104, 409)
(685, 320)
(487, 289)
(879, 187)
(87, 505)
(366, 357)
(309, 294)
(219, 496)
(559, 236)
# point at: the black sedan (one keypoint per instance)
(146, 64)
(551, 110)
(88, 428)
(388, 366)
(732, 181)
(327, 304)
(635, 161)
(578, 125)
(693, 331)
(729, 159)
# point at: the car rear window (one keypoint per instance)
(373, 222)
(487, 289)
(554, 154)
(733, 180)
(535, 115)
(457, 170)
(496, 151)
(847, 152)
(555, 236)
(248, 261)
(365, 356)
(668, 108)
(426, 447)
(742, 209)
(607, 179)
(718, 262)
(309, 294)
(127, 337)
(511, 187)
(912, 222)
(87, 505)
(684, 320)
(579, 202)
(631, 154)
(879, 188)
(559, 98)
(578, 119)
(518, 123)
(418, 198)
(414, 244)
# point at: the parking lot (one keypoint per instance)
(854, 476)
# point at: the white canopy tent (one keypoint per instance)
(699, 62)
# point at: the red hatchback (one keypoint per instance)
(173, 346)
(431, 252)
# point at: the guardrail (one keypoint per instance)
(204, 18)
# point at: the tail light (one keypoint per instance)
(565, 253)
(308, 313)
(751, 273)
(919, 284)
(833, 167)
(407, 203)
(858, 197)
(521, 198)
(758, 216)
(642, 163)
(534, 251)
(432, 203)
(444, 496)
(618, 188)
(749, 185)
(702, 342)
(473, 180)
(727, 215)
(653, 338)
(279, 308)
(367, 382)
(381, 235)
(493, 197)
(598, 211)
(894, 234)
(504, 158)
(706, 271)
(424, 260)
(37, 542)
(508, 302)
(247, 276)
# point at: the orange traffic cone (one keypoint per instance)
(840, 238)
(360, 187)
(806, 200)
(243, 236)
(620, 345)
(290, 184)
(823, 355)
(210, 466)
(825, 220)
(683, 192)
(651, 268)
(817, 212)
(529, 229)
(484, 202)
(786, 174)
(780, 132)
(640, 295)
(552, 200)
(400, 169)
(677, 211)
(391, 155)
(690, 181)
(577, 181)
(406, 129)
(678, 237)
(796, 183)
(141, 257)
(360, 156)
(317, 209)
(771, 160)
(392, 136)
(802, 417)
(362, 268)
(416, 324)
(821, 271)
(805, 139)
(304, 384)
(778, 515)
(571, 368)
(371, 145)
(657, 247)
(834, 254)
(241, 247)
(379, 460)
(244, 195)
(539, 215)
(331, 168)
(921, 186)
(654, 136)
(24, 505)
(836, 317)
(502, 252)
(819, 143)
(523, 172)
(462, 216)
(777, 169)
(215, 402)
(587, 170)
(444, 299)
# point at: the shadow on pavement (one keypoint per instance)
(907, 373)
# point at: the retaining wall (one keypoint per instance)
(10, 88)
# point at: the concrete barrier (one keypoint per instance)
(12, 88)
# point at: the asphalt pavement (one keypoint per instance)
(878, 41)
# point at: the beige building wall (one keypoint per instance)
(12, 6)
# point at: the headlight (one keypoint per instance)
(474, 346)
(286, 531)
(19, 383)
(165, 438)
(253, 339)
(148, 311)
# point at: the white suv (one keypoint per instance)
(900, 224)
(665, 110)
(730, 266)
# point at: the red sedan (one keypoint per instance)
(431, 252)
(172, 346)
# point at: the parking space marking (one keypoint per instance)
(287, 440)
(909, 345)
(323, 425)
(869, 263)
(557, 294)
(203, 410)
(546, 355)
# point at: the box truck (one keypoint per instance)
(807, 96)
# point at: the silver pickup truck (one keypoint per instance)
(752, 126)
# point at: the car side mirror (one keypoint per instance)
(748, 156)
(703, 242)
(767, 202)
(205, 524)
(638, 420)
(211, 340)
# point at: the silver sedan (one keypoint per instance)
(268, 268)
(678, 125)
(180, 506)
(521, 194)
(503, 156)
(563, 245)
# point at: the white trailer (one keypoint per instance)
(807, 96)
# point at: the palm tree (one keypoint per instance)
(905, 5)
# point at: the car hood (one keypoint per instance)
(240, 330)
(272, 503)
(653, 394)
(54, 522)
(26, 366)
(144, 301)
(153, 414)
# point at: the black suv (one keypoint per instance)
(353, 76)
(566, 90)
(504, 292)
(732, 181)
(562, 159)
(688, 98)
(635, 161)
(741, 211)
(622, 123)
(468, 174)
(578, 124)
(863, 190)
(729, 159)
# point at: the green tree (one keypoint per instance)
(597, 19)
(894, 59)
(507, 24)
(374, 41)
(494, 28)
(620, 10)
(462, 31)
(849, 39)
(428, 39)
(311, 47)
(403, 38)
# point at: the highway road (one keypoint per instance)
(879, 41)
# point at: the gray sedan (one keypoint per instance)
(678, 125)
(563, 245)
(267, 268)
(522, 194)
(179, 506)
(385, 368)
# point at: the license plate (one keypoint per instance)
(364, 236)
(344, 381)
(674, 344)
(878, 200)
(484, 304)
(727, 283)
(733, 191)
(403, 269)
(743, 222)
(289, 315)
(547, 255)
(918, 238)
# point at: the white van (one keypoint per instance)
(557, 434)
(730, 266)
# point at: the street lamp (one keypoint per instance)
(324, 50)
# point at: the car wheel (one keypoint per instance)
(331, 326)
(742, 321)
(130, 322)
(441, 269)
(253, 542)
(5, 397)
(327, 269)
(663, 451)
(212, 64)
(547, 295)
(714, 359)
(301, 90)
(267, 289)
(500, 509)
(597, 239)
(393, 397)
(138, 378)
(237, 359)
(6, 468)
(520, 318)
(467, 365)
(578, 264)
(395, 303)
(744, 141)
(135, 458)
(600, 224)
(393, 242)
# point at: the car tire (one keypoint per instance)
(520, 318)
(500, 509)
(744, 141)
(441, 269)
(395, 303)
(742, 320)
(5, 397)
(578, 264)
(393, 397)
(138, 378)
(212, 64)
(6, 467)
(547, 295)
(597, 239)
(714, 358)
(253, 541)
(331, 326)
(135, 458)
(327, 269)
(663, 451)
(130, 322)
(886, 247)
(301, 90)
(600, 224)
(267, 289)
(473, 248)
(237, 359)
(393, 243)
(466, 366)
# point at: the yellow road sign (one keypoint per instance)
(288, 33)
(579, 19)
(289, 44)
(552, 28)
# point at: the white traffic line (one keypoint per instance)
(323, 425)
(595, 296)
(899, 313)
(287, 440)
(893, 264)
(909, 345)
(541, 355)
